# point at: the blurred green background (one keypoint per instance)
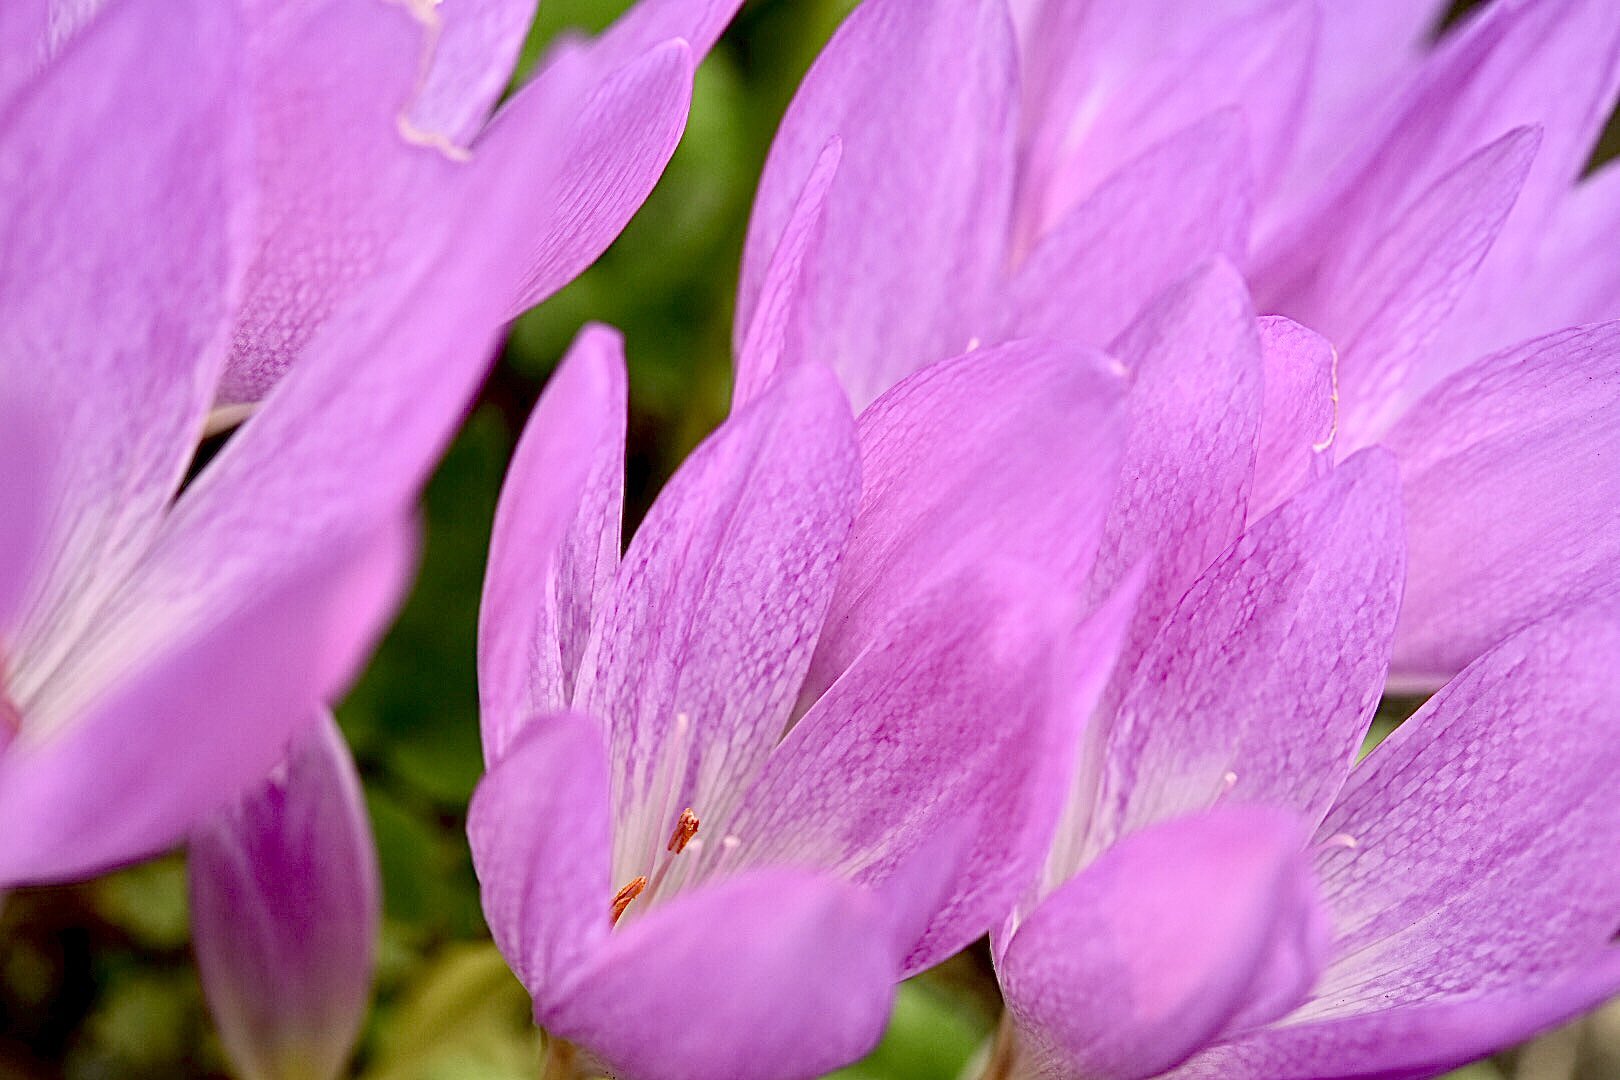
(96, 980)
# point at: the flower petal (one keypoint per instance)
(540, 831)
(1006, 452)
(922, 96)
(609, 140)
(475, 47)
(28, 462)
(773, 975)
(762, 347)
(1189, 455)
(285, 908)
(555, 548)
(1182, 202)
(199, 721)
(1167, 941)
(340, 189)
(698, 653)
(948, 725)
(1472, 878)
(1260, 685)
(648, 23)
(1299, 419)
(123, 240)
(1510, 488)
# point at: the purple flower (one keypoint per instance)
(1398, 211)
(801, 741)
(361, 111)
(160, 647)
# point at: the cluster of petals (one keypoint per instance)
(1351, 425)
(301, 215)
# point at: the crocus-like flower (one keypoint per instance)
(798, 742)
(359, 108)
(158, 649)
(1050, 170)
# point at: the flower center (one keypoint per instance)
(686, 827)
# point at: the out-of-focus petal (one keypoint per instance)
(1007, 452)
(698, 652)
(339, 185)
(952, 724)
(1181, 203)
(762, 346)
(773, 975)
(915, 222)
(475, 45)
(1189, 455)
(121, 245)
(1166, 942)
(555, 548)
(539, 826)
(608, 140)
(1510, 477)
(285, 907)
(1384, 308)
(195, 724)
(1260, 685)
(1258, 62)
(1300, 416)
(1468, 877)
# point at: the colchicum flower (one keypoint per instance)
(1048, 170)
(165, 642)
(801, 740)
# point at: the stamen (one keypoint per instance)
(685, 829)
(622, 898)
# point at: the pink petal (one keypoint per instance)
(1510, 489)
(123, 168)
(555, 548)
(540, 831)
(1300, 415)
(474, 48)
(773, 975)
(1189, 456)
(697, 654)
(28, 461)
(285, 907)
(762, 347)
(203, 719)
(1294, 622)
(609, 137)
(953, 724)
(1172, 938)
(1006, 452)
(1472, 878)
(922, 97)
(651, 22)
(1183, 201)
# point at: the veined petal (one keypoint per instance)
(773, 975)
(1260, 684)
(555, 548)
(1169, 940)
(1468, 876)
(195, 724)
(1007, 452)
(1386, 308)
(540, 831)
(951, 734)
(697, 655)
(608, 135)
(648, 23)
(922, 96)
(1182, 202)
(1300, 416)
(767, 345)
(1189, 456)
(28, 461)
(285, 907)
(122, 242)
(475, 44)
(1510, 489)
(341, 189)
